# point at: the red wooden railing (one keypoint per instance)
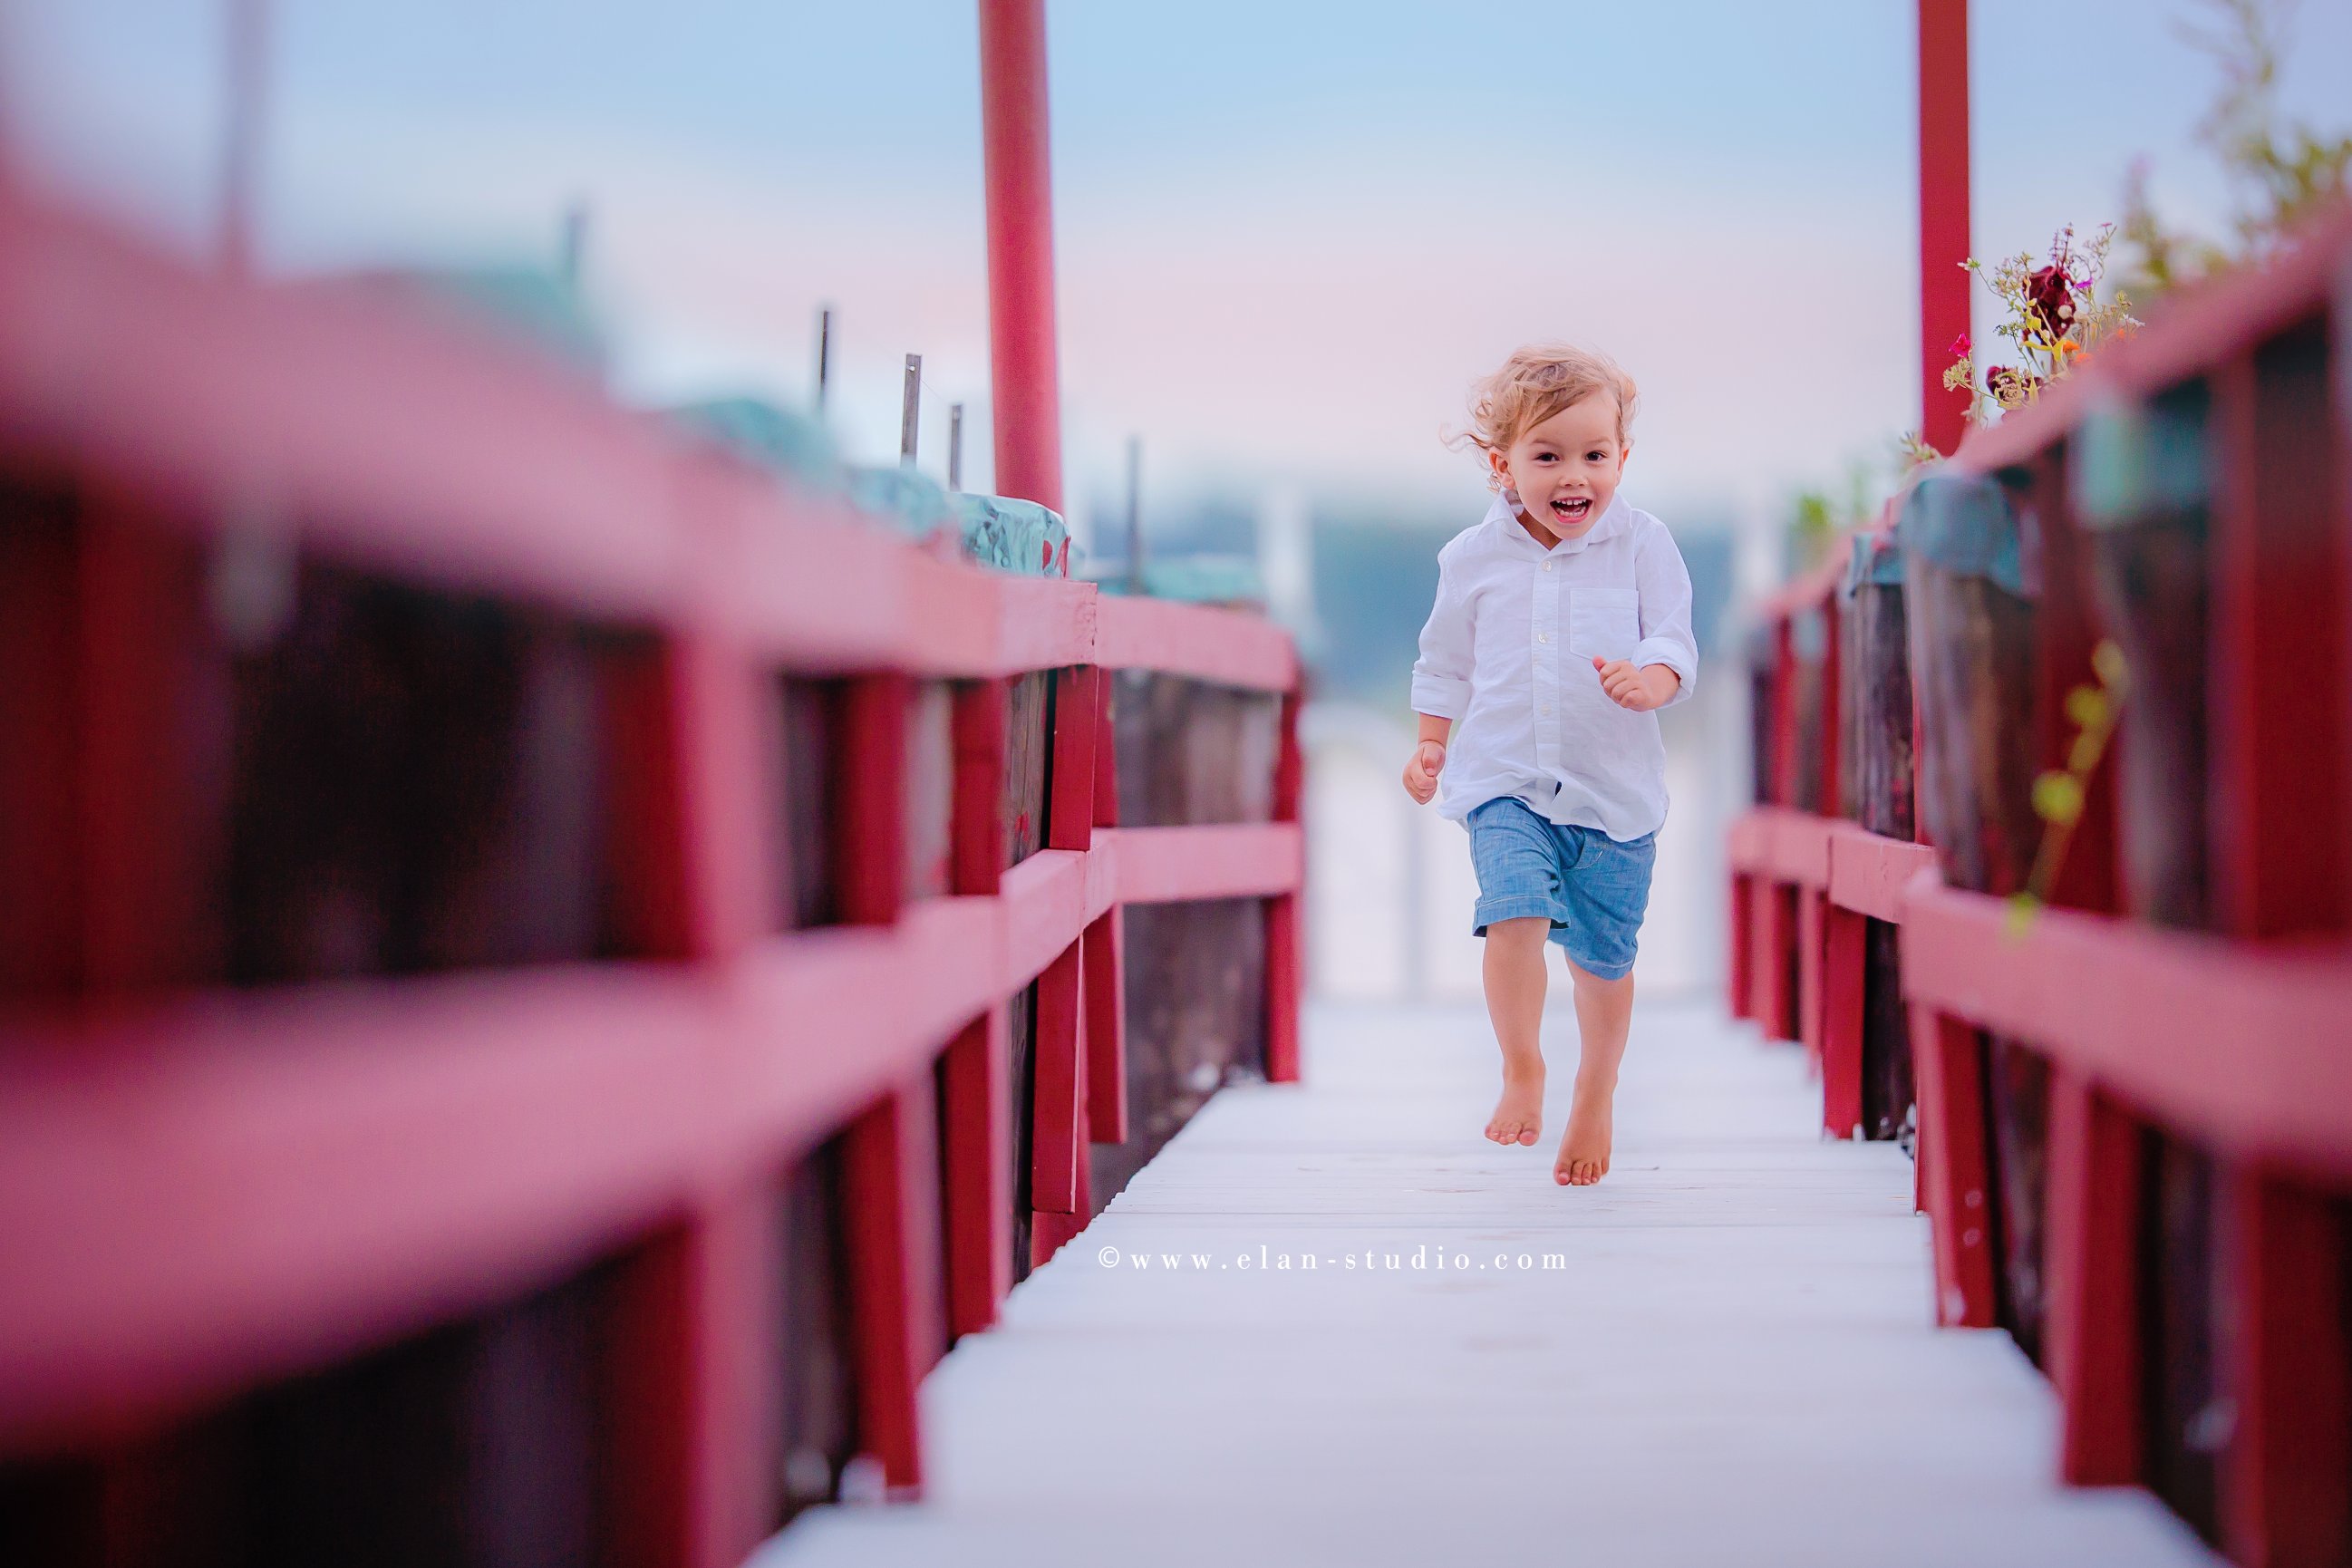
(203, 1189)
(2237, 1040)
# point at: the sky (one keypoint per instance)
(1289, 233)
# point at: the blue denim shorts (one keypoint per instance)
(1593, 888)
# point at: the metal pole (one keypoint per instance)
(1943, 214)
(955, 446)
(247, 63)
(909, 408)
(1028, 416)
(823, 356)
(1135, 514)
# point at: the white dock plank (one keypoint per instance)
(1732, 1364)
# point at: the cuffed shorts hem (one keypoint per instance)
(1516, 907)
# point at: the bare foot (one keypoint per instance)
(1518, 1115)
(1584, 1147)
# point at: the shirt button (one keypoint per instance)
(1543, 636)
(1546, 565)
(1546, 712)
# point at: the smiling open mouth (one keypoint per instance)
(1575, 509)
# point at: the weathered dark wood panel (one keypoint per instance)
(488, 1442)
(2186, 1421)
(1195, 1022)
(2153, 574)
(1887, 1092)
(817, 1408)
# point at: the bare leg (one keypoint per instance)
(1605, 1012)
(1514, 997)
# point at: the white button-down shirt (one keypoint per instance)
(1507, 655)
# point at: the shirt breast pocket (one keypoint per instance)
(1603, 623)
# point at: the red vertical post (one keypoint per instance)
(1770, 930)
(1943, 213)
(1812, 937)
(1841, 994)
(2093, 1272)
(977, 1143)
(2286, 1490)
(872, 826)
(976, 831)
(2278, 756)
(890, 1192)
(1056, 1139)
(733, 1374)
(1948, 1063)
(1742, 963)
(1285, 972)
(1104, 964)
(1019, 173)
(1070, 814)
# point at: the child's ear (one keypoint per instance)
(1623, 452)
(1500, 462)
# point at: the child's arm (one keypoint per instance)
(1665, 661)
(1441, 682)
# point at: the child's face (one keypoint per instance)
(1566, 469)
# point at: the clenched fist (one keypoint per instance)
(1639, 691)
(1420, 773)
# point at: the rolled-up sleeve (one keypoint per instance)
(1664, 585)
(1441, 676)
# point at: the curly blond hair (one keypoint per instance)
(1536, 382)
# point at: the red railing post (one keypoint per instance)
(1285, 972)
(2285, 1501)
(977, 1143)
(1057, 1143)
(2092, 1242)
(1103, 959)
(1843, 961)
(1952, 1166)
(890, 1202)
(1943, 213)
(1028, 416)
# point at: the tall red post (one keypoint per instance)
(1027, 386)
(1943, 213)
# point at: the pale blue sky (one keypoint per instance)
(1290, 232)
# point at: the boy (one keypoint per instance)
(1562, 623)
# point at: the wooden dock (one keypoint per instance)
(1733, 1361)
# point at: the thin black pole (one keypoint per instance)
(909, 409)
(823, 356)
(1135, 514)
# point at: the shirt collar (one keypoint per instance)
(1504, 513)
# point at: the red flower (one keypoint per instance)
(1960, 345)
(2050, 300)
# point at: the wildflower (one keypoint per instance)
(1960, 347)
(2010, 388)
(2050, 299)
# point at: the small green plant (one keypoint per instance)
(2060, 794)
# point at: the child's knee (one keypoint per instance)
(1523, 932)
(1593, 985)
